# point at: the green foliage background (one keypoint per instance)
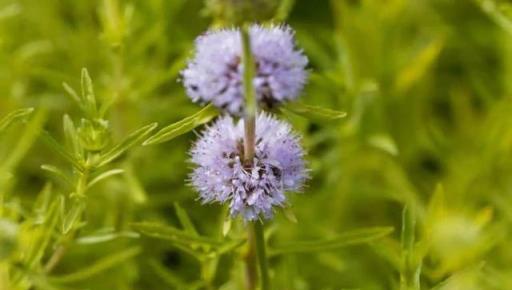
(426, 87)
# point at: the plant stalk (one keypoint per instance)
(250, 98)
(256, 241)
(261, 255)
(251, 272)
(60, 251)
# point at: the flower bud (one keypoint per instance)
(215, 73)
(94, 134)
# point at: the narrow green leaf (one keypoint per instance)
(173, 234)
(185, 220)
(98, 267)
(42, 203)
(290, 215)
(181, 127)
(284, 10)
(25, 142)
(37, 237)
(133, 139)
(72, 138)
(385, 143)
(13, 117)
(408, 228)
(106, 236)
(198, 246)
(105, 175)
(313, 112)
(88, 98)
(418, 66)
(43, 236)
(410, 266)
(226, 225)
(496, 14)
(137, 191)
(59, 149)
(72, 93)
(355, 237)
(59, 174)
(73, 216)
(229, 246)
(62, 211)
(86, 83)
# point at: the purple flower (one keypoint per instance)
(221, 176)
(215, 73)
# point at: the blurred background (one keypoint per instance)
(426, 87)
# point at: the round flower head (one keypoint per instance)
(215, 73)
(252, 191)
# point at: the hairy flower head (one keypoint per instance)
(215, 73)
(252, 191)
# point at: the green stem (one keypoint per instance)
(83, 180)
(251, 272)
(261, 255)
(251, 105)
(60, 251)
(256, 251)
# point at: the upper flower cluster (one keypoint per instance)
(215, 73)
(221, 176)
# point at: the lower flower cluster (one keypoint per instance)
(251, 190)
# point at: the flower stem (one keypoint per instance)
(250, 97)
(251, 271)
(261, 255)
(256, 252)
